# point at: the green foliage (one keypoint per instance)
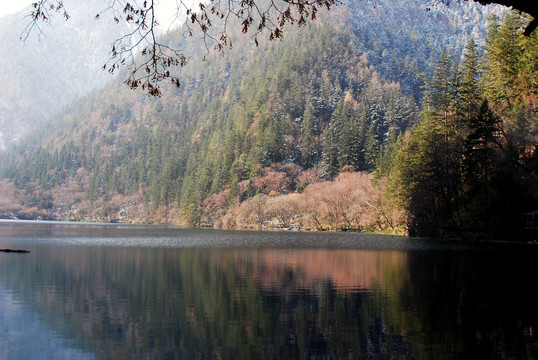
(360, 128)
(470, 86)
(502, 79)
(467, 169)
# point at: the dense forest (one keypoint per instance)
(334, 127)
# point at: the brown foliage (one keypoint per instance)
(283, 210)
(310, 176)
(33, 213)
(9, 202)
(214, 207)
(340, 203)
(350, 202)
(272, 179)
(251, 213)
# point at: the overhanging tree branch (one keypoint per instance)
(151, 61)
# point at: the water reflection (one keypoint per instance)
(24, 336)
(172, 303)
(207, 303)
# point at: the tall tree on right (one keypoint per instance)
(503, 54)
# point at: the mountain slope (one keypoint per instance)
(121, 155)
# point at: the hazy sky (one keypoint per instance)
(164, 9)
(10, 6)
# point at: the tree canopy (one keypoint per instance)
(468, 167)
(150, 59)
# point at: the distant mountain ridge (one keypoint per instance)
(49, 70)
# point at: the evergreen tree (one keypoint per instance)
(332, 155)
(342, 122)
(438, 95)
(308, 140)
(329, 156)
(355, 145)
(529, 70)
(371, 149)
(470, 91)
(484, 127)
(503, 54)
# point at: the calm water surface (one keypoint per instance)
(142, 292)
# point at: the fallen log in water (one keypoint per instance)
(15, 251)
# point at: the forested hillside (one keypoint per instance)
(252, 130)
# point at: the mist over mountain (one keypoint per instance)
(333, 93)
(51, 68)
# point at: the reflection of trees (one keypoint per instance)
(344, 269)
(208, 303)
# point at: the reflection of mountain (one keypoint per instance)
(293, 303)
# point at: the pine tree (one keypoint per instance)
(360, 139)
(439, 91)
(443, 91)
(470, 91)
(371, 149)
(478, 155)
(355, 145)
(344, 131)
(234, 191)
(329, 156)
(308, 140)
(529, 70)
(332, 146)
(503, 54)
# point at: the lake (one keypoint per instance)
(88, 291)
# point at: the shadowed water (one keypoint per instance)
(146, 292)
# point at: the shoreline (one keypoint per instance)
(264, 229)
